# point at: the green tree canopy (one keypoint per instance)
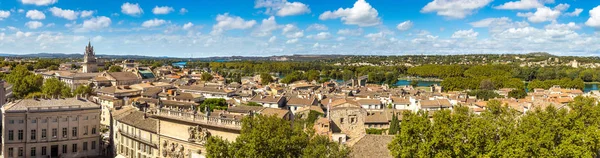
(269, 136)
(115, 68)
(23, 81)
(54, 87)
(265, 78)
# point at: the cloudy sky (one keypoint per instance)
(200, 28)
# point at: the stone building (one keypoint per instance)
(347, 120)
(89, 60)
(136, 135)
(51, 128)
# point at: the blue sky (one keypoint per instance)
(202, 28)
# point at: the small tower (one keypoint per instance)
(89, 59)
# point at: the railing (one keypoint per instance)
(131, 135)
(201, 119)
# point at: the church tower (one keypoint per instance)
(89, 60)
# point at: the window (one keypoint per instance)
(93, 130)
(54, 132)
(54, 120)
(11, 135)
(11, 121)
(64, 132)
(34, 121)
(74, 148)
(20, 136)
(64, 149)
(21, 121)
(45, 121)
(43, 151)
(85, 130)
(66, 119)
(44, 133)
(84, 146)
(20, 153)
(32, 152)
(10, 152)
(75, 118)
(74, 132)
(341, 120)
(33, 134)
(93, 145)
(85, 118)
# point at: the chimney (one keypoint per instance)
(328, 110)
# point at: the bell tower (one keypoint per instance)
(89, 59)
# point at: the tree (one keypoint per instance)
(83, 90)
(269, 136)
(312, 75)
(501, 131)
(517, 93)
(115, 68)
(206, 76)
(53, 67)
(394, 125)
(53, 88)
(213, 103)
(217, 147)
(322, 147)
(414, 83)
(486, 85)
(23, 81)
(265, 78)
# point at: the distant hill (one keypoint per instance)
(540, 54)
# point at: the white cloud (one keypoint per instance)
(132, 9)
(568, 26)
(35, 15)
(320, 36)
(317, 27)
(521, 5)
(162, 10)
(34, 24)
(20, 34)
(4, 14)
(2, 36)
(576, 12)
(21, 11)
(64, 13)
(39, 2)
(282, 7)
(292, 31)
(272, 39)
(361, 14)
(96, 23)
(153, 23)
(465, 34)
(86, 13)
(183, 11)
(406, 25)
(266, 27)
(188, 26)
(455, 9)
(375, 36)
(594, 20)
(562, 7)
(226, 22)
(350, 32)
(340, 38)
(292, 41)
(541, 15)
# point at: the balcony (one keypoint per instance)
(200, 119)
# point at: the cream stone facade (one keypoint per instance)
(51, 128)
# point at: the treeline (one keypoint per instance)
(501, 132)
(28, 85)
(510, 71)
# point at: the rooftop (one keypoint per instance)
(50, 104)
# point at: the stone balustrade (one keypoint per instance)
(200, 119)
